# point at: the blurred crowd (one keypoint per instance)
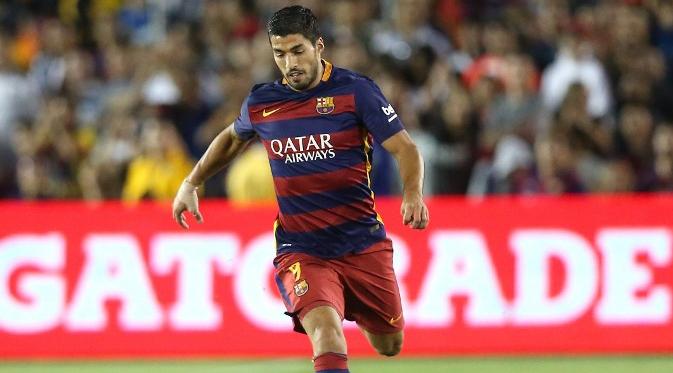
(106, 99)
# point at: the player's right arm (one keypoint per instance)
(226, 146)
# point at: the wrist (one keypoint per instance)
(412, 194)
(188, 182)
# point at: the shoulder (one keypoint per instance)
(356, 80)
(263, 87)
(264, 92)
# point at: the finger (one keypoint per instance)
(406, 215)
(418, 211)
(178, 216)
(183, 222)
(177, 211)
(425, 218)
(426, 215)
(413, 219)
(198, 216)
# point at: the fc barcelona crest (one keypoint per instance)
(300, 288)
(325, 105)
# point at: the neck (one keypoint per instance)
(318, 76)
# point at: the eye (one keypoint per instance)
(299, 52)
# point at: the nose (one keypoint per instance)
(290, 61)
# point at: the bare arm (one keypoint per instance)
(224, 148)
(413, 209)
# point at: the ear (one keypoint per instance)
(320, 45)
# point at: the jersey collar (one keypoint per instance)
(328, 71)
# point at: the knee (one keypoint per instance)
(328, 339)
(390, 347)
(390, 350)
(323, 327)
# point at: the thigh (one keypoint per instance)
(306, 282)
(371, 292)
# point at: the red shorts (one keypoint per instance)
(361, 287)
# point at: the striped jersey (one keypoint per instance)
(319, 144)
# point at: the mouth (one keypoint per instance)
(295, 75)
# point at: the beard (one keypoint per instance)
(304, 79)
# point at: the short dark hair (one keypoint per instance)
(294, 19)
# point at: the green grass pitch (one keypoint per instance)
(658, 364)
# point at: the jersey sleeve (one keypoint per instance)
(375, 111)
(242, 124)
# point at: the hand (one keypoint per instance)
(414, 212)
(186, 199)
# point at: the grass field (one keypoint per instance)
(449, 365)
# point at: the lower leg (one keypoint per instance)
(331, 362)
(323, 326)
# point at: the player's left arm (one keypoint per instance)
(414, 212)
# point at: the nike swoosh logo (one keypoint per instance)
(396, 319)
(267, 113)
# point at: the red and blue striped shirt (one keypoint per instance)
(319, 143)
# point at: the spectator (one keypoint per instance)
(511, 172)
(18, 102)
(576, 63)
(102, 174)
(558, 164)
(249, 178)
(663, 158)
(455, 129)
(634, 139)
(162, 164)
(49, 152)
(516, 111)
(615, 177)
(498, 42)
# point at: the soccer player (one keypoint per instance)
(333, 259)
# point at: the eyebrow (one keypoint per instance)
(293, 49)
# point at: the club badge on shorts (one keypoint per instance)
(300, 288)
(325, 105)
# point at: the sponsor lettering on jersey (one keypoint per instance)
(389, 112)
(304, 148)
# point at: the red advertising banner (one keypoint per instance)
(489, 276)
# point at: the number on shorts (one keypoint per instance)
(296, 271)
